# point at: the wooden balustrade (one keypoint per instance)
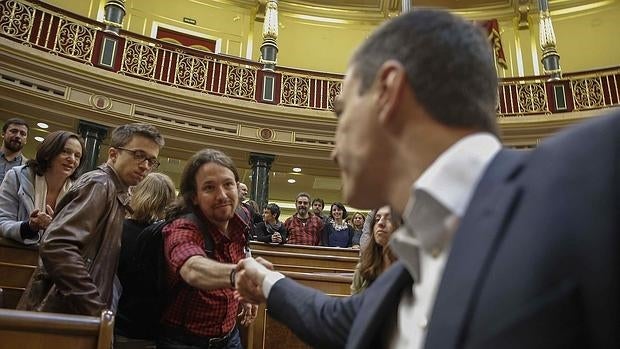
(48, 28)
(34, 330)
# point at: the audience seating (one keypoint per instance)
(34, 330)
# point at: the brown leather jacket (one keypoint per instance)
(80, 248)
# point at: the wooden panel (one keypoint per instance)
(10, 297)
(34, 330)
(13, 252)
(17, 263)
(323, 261)
(314, 250)
(15, 275)
(267, 333)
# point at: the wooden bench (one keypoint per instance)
(267, 333)
(17, 263)
(307, 259)
(34, 330)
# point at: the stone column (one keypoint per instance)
(405, 6)
(114, 14)
(550, 57)
(269, 48)
(93, 135)
(259, 188)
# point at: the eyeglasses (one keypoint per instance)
(141, 156)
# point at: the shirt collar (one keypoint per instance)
(454, 175)
(440, 197)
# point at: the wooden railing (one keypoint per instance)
(34, 330)
(83, 40)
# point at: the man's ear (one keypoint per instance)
(392, 79)
(112, 154)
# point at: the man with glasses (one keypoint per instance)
(80, 248)
(14, 137)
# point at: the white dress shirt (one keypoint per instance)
(438, 200)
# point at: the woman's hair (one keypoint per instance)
(361, 215)
(54, 144)
(150, 197)
(341, 207)
(188, 190)
(371, 259)
(274, 209)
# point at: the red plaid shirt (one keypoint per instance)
(203, 313)
(304, 231)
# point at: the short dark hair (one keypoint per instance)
(318, 200)
(15, 121)
(274, 209)
(303, 193)
(341, 207)
(124, 133)
(187, 188)
(449, 65)
(52, 145)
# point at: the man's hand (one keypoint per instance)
(276, 237)
(249, 279)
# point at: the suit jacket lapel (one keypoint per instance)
(472, 248)
(378, 307)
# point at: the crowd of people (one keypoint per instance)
(469, 245)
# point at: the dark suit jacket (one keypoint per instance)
(535, 262)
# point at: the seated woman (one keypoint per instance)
(270, 229)
(358, 226)
(377, 256)
(29, 193)
(149, 200)
(337, 233)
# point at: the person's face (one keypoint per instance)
(15, 137)
(383, 226)
(359, 150)
(336, 212)
(243, 191)
(317, 207)
(302, 204)
(268, 216)
(358, 221)
(68, 160)
(130, 170)
(216, 193)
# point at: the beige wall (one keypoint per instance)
(587, 37)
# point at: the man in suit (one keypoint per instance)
(499, 248)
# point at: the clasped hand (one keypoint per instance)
(40, 220)
(249, 279)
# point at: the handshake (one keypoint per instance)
(248, 277)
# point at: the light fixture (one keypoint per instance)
(38, 139)
(297, 169)
(42, 125)
(291, 180)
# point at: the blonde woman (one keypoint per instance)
(149, 200)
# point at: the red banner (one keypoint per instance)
(492, 29)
